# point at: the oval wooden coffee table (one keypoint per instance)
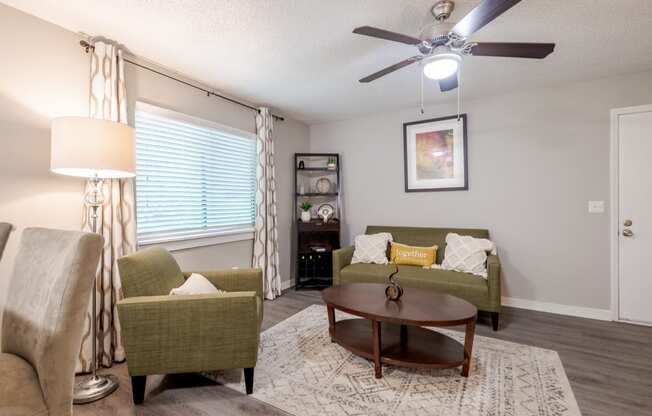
(391, 331)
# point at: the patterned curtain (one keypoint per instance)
(116, 223)
(265, 254)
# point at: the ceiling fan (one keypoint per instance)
(442, 44)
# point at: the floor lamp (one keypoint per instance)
(97, 150)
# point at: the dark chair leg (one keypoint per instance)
(138, 388)
(249, 379)
(494, 320)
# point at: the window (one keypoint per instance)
(194, 178)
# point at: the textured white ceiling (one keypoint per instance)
(300, 55)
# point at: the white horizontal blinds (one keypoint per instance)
(192, 180)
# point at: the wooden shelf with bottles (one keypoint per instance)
(314, 241)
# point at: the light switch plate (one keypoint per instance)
(596, 207)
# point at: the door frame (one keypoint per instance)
(614, 224)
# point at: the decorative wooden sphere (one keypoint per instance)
(393, 291)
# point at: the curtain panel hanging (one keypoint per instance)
(116, 223)
(265, 252)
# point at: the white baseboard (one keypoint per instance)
(579, 311)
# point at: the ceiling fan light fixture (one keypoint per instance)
(442, 66)
(442, 44)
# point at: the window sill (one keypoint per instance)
(189, 243)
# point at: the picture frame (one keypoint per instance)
(435, 154)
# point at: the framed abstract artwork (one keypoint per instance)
(435, 155)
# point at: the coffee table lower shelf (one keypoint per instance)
(400, 345)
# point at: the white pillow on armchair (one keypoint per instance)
(371, 248)
(196, 284)
(467, 254)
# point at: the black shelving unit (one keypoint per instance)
(315, 241)
(318, 194)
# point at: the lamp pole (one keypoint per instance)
(94, 387)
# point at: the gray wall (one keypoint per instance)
(45, 75)
(535, 159)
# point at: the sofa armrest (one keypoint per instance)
(235, 280)
(493, 281)
(341, 258)
(189, 333)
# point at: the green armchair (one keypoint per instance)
(165, 334)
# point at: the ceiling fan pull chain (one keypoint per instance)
(459, 91)
(421, 86)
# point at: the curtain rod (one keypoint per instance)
(87, 46)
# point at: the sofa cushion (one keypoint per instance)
(20, 391)
(366, 273)
(442, 277)
(378, 273)
(464, 285)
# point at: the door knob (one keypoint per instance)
(627, 223)
(627, 232)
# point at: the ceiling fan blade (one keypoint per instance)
(386, 34)
(484, 13)
(449, 83)
(513, 50)
(392, 68)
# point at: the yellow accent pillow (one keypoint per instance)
(412, 255)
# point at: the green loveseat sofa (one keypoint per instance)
(483, 293)
(166, 334)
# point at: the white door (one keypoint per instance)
(635, 216)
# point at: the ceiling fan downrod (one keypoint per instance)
(442, 10)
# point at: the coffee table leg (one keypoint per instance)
(468, 347)
(331, 321)
(375, 326)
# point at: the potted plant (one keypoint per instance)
(331, 163)
(305, 211)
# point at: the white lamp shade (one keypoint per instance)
(88, 147)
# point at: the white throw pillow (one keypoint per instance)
(196, 284)
(371, 248)
(467, 254)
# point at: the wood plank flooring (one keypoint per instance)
(609, 366)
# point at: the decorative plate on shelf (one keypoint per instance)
(323, 185)
(325, 211)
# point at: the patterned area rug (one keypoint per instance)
(303, 373)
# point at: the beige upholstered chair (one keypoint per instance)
(42, 321)
(5, 230)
